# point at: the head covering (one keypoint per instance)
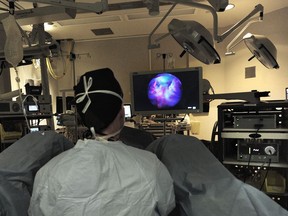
(98, 98)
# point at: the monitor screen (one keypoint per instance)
(33, 108)
(167, 92)
(127, 111)
(34, 129)
(59, 103)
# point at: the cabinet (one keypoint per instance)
(253, 145)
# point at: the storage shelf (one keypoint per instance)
(271, 130)
(231, 161)
(245, 135)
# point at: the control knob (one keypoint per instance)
(270, 150)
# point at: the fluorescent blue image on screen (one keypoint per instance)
(167, 92)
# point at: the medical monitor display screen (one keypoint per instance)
(167, 92)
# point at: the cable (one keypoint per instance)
(20, 98)
(253, 136)
(261, 167)
(51, 70)
(24, 110)
(266, 174)
(248, 165)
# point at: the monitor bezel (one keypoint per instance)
(199, 70)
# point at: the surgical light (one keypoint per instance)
(260, 46)
(192, 36)
(195, 39)
(263, 49)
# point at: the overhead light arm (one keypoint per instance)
(154, 46)
(218, 5)
(233, 42)
(219, 38)
(97, 7)
(193, 4)
(192, 36)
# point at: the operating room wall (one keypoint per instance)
(125, 55)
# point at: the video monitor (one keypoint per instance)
(59, 103)
(128, 111)
(33, 108)
(172, 91)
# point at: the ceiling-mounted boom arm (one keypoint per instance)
(217, 3)
(97, 7)
(219, 38)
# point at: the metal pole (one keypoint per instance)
(44, 74)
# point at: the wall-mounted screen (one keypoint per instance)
(167, 92)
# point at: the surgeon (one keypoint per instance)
(102, 176)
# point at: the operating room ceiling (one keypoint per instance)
(128, 18)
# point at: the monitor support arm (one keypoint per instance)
(252, 97)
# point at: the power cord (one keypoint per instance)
(24, 110)
(266, 174)
(254, 136)
(247, 173)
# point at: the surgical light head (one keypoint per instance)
(195, 39)
(263, 49)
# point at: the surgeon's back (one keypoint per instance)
(105, 179)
